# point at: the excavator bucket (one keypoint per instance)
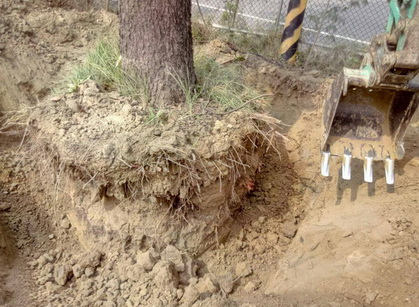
(368, 110)
(365, 123)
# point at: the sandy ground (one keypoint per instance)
(298, 240)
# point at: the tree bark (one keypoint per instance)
(156, 44)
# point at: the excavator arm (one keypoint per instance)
(368, 110)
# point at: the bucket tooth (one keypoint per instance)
(325, 165)
(346, 166)
(368, 177)
(389, 169)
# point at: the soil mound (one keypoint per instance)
(38, 44)
(121, 163)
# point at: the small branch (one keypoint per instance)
(127, 164)
(244, 104)
(90, 180)
(23, 138)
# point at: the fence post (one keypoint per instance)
(317, 36)
(235, 9)
(278, 18)
(200, 12)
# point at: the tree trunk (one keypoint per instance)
(156, 44)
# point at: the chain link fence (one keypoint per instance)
(328, 23)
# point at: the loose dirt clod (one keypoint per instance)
(146, 260)
(243, 269)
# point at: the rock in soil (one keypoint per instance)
(289, 229)
(243, 269)
(205, 287)
(146, 260)
(165, 275)
(5, 206)
(62, 274)
(226, 283)
(190, 296)
(172, 254)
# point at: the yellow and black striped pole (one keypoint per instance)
(292, 30)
